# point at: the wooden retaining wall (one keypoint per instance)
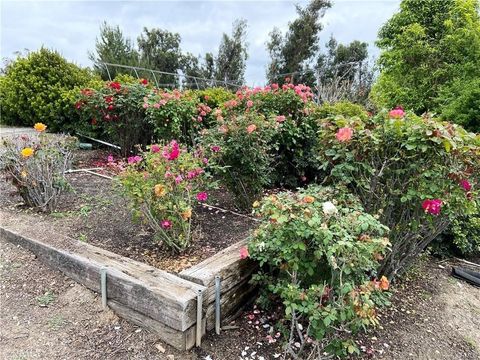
(161, 302)
(235, 275)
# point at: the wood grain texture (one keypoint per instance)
(154, 293)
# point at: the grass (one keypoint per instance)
(83, 237)
(56, 322)
(46, 299)
(472, 343)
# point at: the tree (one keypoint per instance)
(230, 63)
(112, 47)
(295, 51)
(160, 50)
(428, 47)
(343, 72)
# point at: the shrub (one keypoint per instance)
(175, 114)
(36, 166)
(318, 251)
(163, 185)
(416, 173)
(117, 110)
(465, 232)
(241, 147)
(462, 104)
(292, 146)
(32, 88)
(343, 108)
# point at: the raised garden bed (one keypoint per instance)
(147, 284)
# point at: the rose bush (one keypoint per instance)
(318, 251)
(416, 173)
(163, 185)
(116, 108)
(240, 146)
(36, 165)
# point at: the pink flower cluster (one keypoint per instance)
(134, 159)
(203, 110)
(344, 134)
(432, 206)
(397, 113)
(202, 196)
(303, 91)
(171, 151)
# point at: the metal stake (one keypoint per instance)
(198, 341)
(103, 286)
(217, 304)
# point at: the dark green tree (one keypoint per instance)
(113, 47)
(429, 48)
(295, 51)
(230, 63)
(160, 50)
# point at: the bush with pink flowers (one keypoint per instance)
(163, 185)
(416, 173)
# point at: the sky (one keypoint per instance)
(71, 26)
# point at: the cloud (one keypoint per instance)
(72, 26)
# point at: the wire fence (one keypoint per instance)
(174, 80)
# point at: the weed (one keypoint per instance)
(56, 322)
(46, 299)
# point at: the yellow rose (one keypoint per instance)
(187, 214)
(24, 174)
(256, 204)
(40, 127)
(160, 190)
(27, 152)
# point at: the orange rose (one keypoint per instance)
(159, 190)
(308, 199)
(187, 214)
(384, 283)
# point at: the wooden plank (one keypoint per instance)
(226, 264)
(157, 294)
(235, 274)
(181, 340)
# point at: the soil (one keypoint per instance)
(433, 316)
(94, 212)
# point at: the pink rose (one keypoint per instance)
(134, 159)
(465, 184)
(251, 128)
(280, 118)
(166, 224)
(171, 151)
(344, 134)
(432, 206)
(110, 158)
(155, 148)
(249, 103)
(202, 196)
(145, 105)
(244, 253)
(397, 113)
(215, 148)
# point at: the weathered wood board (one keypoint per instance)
(235, 274)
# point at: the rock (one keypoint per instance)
(160, 347)
(170, 357)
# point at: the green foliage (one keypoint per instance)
(400, 165)
(36, 166)
(112, 47)
(33, 88)
(318, 250)
(175, 114)
(163, 185)
(343, 108)
(117, 110)
(241, 146)
(465, 232)
(214, 97)
(428, 48)
(462, 104)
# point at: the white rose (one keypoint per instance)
(329, 208)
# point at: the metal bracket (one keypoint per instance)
(218, 290)
(103, 286)
(198, 340)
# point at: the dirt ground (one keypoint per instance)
(45, 315)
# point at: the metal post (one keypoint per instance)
(103, 286)
(198, 341)
(217, 304)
